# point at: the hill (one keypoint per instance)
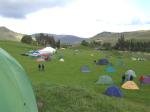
(69, 39)
(7, 34)
(113, 37)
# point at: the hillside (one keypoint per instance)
(69, 39)
(113, 37)
(7, 34)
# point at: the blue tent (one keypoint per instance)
(85, 69)
(114, 91)
(103, 61)
(110, 69)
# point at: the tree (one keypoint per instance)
(107, 46)
(58, 44)
(95, 43)
(84, 43)
(27, 39)
(121, 44)
(39, 39)
(51, 41)
(44, 39)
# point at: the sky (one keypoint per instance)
(83, 18)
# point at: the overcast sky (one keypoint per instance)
(84, 18)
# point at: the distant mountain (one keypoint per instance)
(69, 39)
(113, 37)
(7, 34)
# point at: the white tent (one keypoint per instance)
(47, 50)
(62, 60)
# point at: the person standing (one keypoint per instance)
(39, 66)
(43, 67)
(123, 78)
(141, 79)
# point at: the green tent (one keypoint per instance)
(16, 93)
(105, 79)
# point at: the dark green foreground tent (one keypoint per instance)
(16, 94)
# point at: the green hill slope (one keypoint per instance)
(6, 34)
(76, 99)
(113, 37)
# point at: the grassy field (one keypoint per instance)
(62, 87)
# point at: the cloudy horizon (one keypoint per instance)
(83, 18)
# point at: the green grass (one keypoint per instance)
(63, 88)
(75, 99)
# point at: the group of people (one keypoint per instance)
(41, 67)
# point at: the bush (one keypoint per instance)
(27, 39)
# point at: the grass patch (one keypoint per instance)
(60, 98)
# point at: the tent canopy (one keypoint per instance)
(61, 60)
(16, 92)
(110, 69)
(146, 80)
(47, 50)
(130, 73)
(130, 85)
(103, 61)
(105, 79)
(114, 91)
(85, 69)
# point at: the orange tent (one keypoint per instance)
(130, 85)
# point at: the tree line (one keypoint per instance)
(121, 44)
(97, 44)
(132, 45)
(41, 39)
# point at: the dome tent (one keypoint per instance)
(16, 92)
(47, 50)
(146, 80)
(130, 85)
(114, 91)
(85, 69)
(103, 62)
(110, 69)
(129, 74)
(105, 79)
(61, 60)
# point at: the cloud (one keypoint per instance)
(137, 21)
(83, 18)
(20, 8)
